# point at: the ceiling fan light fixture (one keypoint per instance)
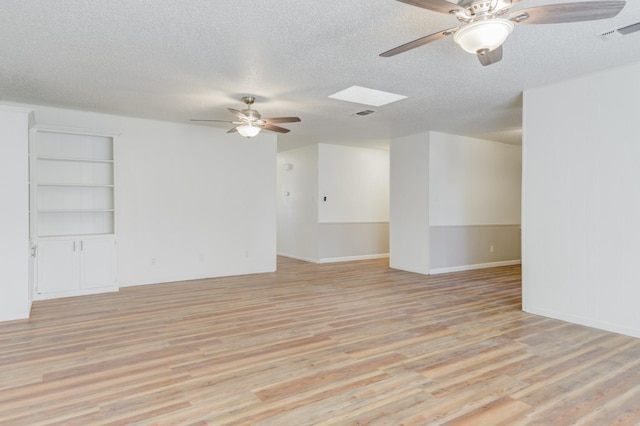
(485, 35)
(248, 130)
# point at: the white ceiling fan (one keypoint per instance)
(249, 121)
(486, 24)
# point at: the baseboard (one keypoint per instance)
(304, 259)
(409, 269)
(587, 322)
(79, 292)
(472, 267)
(353, 258)
(4, 317)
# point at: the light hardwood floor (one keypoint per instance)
(349, 343)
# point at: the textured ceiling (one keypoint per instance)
(180, 59)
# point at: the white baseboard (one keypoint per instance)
(83, 292)
(588, 322)
(304, 259)
(352, 258)
(4, 316)
(472, 267)
(336, 259)
(409, 269)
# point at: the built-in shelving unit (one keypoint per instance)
(74, 180)
(72, 210)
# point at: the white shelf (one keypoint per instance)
(59, 236)
(77, 160)
(76, 185)
(72, 183)
(74, 210)
(71, 221)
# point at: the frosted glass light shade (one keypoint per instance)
(248, 131)
(480, 35)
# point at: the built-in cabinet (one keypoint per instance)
(72, 212)
(68, 266)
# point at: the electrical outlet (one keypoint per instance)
(153, 260)
(491, 249)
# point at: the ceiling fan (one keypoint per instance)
(486, 24)
(249, 122)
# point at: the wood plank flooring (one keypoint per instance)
(349, 344)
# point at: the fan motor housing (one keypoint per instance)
(482, 9)
(251, 114)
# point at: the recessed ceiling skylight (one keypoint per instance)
(364, 96)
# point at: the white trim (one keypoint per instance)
(304, 259)
(22, 316)
(81, 292)
(336, 259)
(523, 202)
(576, 319)
(359, 222)
(352, 258)
(490, 225)
(73, 130)
(476, 266)
(409, 269)
(15, 109)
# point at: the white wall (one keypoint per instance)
(353, 198)
(473, 181)
(15, 294)
(455, 203)
(355, 182)
(192, 201)
(298, 203)
(474, 203)
(581, 206)
(352, 223)
(409, 204)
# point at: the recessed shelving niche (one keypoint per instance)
(72, 212)
(73, 183)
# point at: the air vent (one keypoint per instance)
(365, 112)
(609, 35)
(614, 34)
(629, 29)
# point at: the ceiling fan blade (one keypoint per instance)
(488, 58)
(233, 130)
(241, 115)
(441, 6)
(568, 12)
(281, 120)
(274, 128)
(419, 42)
(216, 121)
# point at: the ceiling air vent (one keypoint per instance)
(365, 112)
(629, 29)
(613, 34)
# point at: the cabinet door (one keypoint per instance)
(57, 263)
(97, 263)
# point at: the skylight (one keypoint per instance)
(365, 96)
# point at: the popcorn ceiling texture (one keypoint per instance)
(180, 59)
